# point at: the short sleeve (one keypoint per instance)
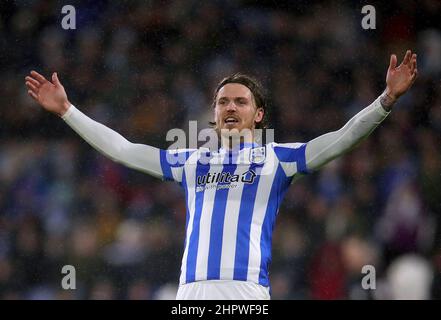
(291, 157)
(173, 161)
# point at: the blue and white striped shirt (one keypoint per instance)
(232, 199)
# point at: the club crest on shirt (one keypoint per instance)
(257, 155)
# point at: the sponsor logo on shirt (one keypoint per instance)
(223, 180)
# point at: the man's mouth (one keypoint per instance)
(229, 120)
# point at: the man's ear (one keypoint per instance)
(259, 115)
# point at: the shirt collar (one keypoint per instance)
(241, 146)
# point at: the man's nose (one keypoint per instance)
(231, 106)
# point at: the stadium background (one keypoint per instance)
(144, 67)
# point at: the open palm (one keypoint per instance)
(50, 95)
(400, 79)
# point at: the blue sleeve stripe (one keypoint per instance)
(301, 159)
(172, 160)
(293, 155)
(165, 166)
(285, 154)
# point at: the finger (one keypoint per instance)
(33, 95)
(414, 76)
(38, 77)
(416, 64)
(413, 63)
(31, 86)
(407, 57)
(393, 62)
(33, 81)
(55, 80)
(412, 80)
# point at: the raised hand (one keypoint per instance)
(400, 79)
(50, 95)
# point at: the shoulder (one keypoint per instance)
(177, 157)
(288, 151)
(285, 147)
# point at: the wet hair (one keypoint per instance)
(256, 90)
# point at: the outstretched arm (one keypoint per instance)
(329, 146)
(52, 97)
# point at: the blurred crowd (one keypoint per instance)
(144, 67)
